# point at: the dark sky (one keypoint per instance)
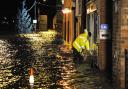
(8, 7)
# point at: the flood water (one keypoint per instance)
(53, 66)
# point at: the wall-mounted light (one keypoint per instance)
(62, 1)
(66, 10)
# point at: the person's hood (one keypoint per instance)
(86, 31)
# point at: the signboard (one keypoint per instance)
(34, 21)
(104, 34)
(104, 31)
(104, 27)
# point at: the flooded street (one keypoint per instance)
(53, 65)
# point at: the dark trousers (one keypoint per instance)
(77, 56)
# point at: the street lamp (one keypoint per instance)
(35, 19)
(66, 12)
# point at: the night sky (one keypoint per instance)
(8, 7)
(9, 10)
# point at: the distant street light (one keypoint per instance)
(35, 19)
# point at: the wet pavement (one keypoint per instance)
(52, 62)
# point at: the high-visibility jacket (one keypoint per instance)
(81, 42)
(93, 47)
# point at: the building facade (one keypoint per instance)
(74, 20)
(99, 22)
(92, 21)
(68, 22)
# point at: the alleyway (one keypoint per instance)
(53, 64)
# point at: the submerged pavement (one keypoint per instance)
(52, 62)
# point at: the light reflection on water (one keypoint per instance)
(6, 76)
(12, 54)
(4, 53)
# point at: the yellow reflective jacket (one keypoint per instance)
(81, 42)
(94, 46)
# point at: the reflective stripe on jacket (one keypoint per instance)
(77, 46)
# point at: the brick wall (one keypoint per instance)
(105, 46)
(102, 48)
(120, 42)
(116, 48)
(102, 44)
(124, 40)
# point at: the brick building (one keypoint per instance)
(112, 22)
